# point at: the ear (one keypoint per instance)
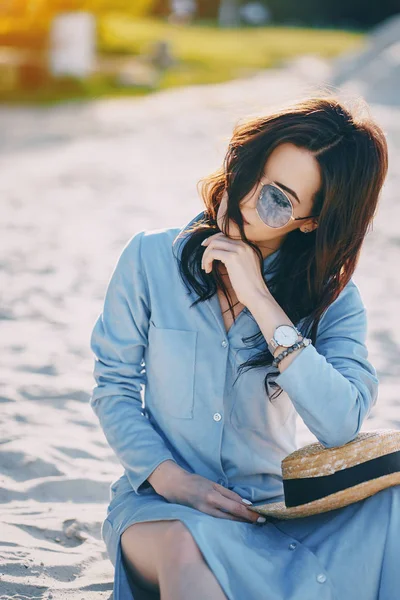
(309, 226)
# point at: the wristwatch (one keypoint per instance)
(284, 335)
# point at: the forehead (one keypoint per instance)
(296, 168)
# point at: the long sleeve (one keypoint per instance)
(332, 385)
(118, 340)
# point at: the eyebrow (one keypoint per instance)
(287, 189)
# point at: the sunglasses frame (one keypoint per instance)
(291, 218)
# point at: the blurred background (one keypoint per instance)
(110, 113)
(56, 49)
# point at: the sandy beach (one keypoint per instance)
(77, 181)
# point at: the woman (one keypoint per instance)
(283, 225)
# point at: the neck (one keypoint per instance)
(266, 250)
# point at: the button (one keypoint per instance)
(221, 481)
(224, 343)
(292, 546)
(217, 417)
(321, 578)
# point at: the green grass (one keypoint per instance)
(69, 89)
(204, 53)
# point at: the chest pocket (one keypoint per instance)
(171, 370)
(251, 409)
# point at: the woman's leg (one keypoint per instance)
(141, 549)
(163, 557)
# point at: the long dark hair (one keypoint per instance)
(310, 270)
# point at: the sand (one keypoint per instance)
(76, 182)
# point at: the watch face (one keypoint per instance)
(285, 335)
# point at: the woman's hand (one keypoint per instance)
(205, 495)
(242, 264)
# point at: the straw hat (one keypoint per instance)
(317, 479)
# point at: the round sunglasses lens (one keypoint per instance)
(273, 206)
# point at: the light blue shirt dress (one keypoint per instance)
(164, 375)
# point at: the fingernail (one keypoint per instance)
(246, 501)
(261, 520)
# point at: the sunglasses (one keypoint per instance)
(275, 208)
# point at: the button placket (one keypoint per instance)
(306, 554)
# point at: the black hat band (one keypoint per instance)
(307, 489)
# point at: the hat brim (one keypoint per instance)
(337, 500)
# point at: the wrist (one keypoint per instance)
(260, 296)
(166, 473)
(261, 300)
(289, 354)
(280, 349)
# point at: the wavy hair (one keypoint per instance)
(310, 270)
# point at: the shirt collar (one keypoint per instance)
(182, 234)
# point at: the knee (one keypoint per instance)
(180, 545)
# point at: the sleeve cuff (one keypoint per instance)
(139, 483)
(295, 373)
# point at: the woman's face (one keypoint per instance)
(291, 168)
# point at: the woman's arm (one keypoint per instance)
(332, 385)
(118, 340)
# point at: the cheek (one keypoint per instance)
(221, 210)
(224, 223)
(220, 218)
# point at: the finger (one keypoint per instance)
(211, 245)
(217, 512)
(229, 494)
(220, 242)
(233, 506)
(215, 254)
(234, 496)
(226, 491)
(223, 514)
(232, 502)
